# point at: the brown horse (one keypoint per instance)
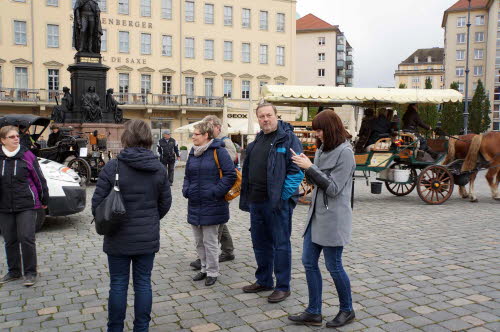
(471, 148)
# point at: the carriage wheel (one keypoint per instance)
(82, 168)
(305, 192)
(400, 189)
(435, 185)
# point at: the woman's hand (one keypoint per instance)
(302, 161)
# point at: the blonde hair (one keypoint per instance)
(205, 128)
(5, 130)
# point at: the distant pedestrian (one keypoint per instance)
(168, 151)
(205, 185)
(54, 137)
(329, 222)
(226, 242)
(146, 194)
(269, 192)
(23, 191)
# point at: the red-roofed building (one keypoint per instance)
(484, 50)
(324, 56)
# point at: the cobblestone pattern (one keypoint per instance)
(413, 267)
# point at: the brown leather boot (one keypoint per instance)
(255, 288)
(277, 296)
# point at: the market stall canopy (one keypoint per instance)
(235, 127)
(336, 96)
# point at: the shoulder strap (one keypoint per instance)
(117, 176)
(217, 162)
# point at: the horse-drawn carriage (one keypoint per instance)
(397, 160)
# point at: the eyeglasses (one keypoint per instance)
(13, 136)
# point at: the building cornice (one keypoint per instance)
(247, 76)
(146, 70)
(53, 64)
(228, 75)
(167, 71)
(124, 68)
(190, 72)
(209, 73)
(21, 61)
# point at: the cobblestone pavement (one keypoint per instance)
(413, 267)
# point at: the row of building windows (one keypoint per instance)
(53, 79)
(478, 71)
(166, 45)
(461, 37)
(166, 10)
(462, 21)
(478, 54)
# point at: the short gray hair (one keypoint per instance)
(205, 128)
(265, 104)
(213, 119)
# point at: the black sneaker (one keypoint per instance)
(196, 265)
(9, 277)
(306, 318)
(199, 276)
(29, 280)
(342, 318)
(210, 281)
(224, 257)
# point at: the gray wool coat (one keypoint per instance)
(330, 214)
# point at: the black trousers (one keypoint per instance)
(226, 242)
(170, 171)
(18, 231)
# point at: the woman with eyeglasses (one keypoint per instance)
(23, 190)
(205, 184)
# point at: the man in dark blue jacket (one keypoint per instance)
(269, 192)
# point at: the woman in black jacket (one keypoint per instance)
(146, 194)
(23, 190)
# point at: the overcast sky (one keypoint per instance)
(382, 32)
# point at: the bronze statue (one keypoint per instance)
(90, 105)
(59, 111)
(112, 106)
(87, 29)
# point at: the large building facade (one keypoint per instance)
(422, 65)
(324, 56)
(171, 61)
(484, 52)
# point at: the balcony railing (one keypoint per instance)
(49, 96)
(340, 64)
(340, 80)
(340, 48)
(348, 58)
(348, 73)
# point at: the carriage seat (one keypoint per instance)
(409, 139)
(382, 145)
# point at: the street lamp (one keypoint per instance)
(466, 108)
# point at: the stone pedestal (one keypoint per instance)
(112, 131)
(87, 71)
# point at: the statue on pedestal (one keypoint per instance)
(87, 30)
(90, 105)
(59, 111)
(112, 106)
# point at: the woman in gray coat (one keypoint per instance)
(329, 221)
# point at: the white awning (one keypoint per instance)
(310, 95)
(235, 126)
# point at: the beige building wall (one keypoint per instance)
(38, 58)
(491, 52)
(452, 64)
(414, 76)
(308, 63)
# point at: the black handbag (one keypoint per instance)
(111, 212)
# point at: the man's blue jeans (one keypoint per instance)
(271, 232)
(119, 270)
(333, 261)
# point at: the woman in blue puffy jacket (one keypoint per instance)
(205, 184)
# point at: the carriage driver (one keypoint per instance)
(411, 122)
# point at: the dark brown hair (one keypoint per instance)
(334, 132)
(137, 134)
